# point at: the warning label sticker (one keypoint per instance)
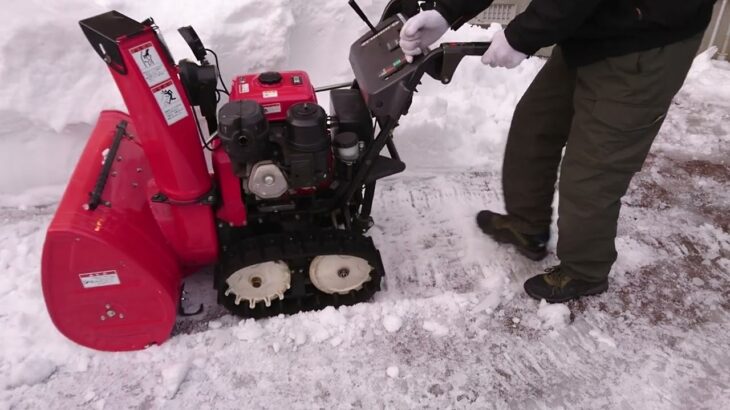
(272, 109)
(99, 279)
(171, 105)
(270, 94)
(150, 63)
(244, 88)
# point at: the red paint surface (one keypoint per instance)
(149, 245)
(232, 209)
(282, 95)
(123, 237)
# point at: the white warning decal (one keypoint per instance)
(170, 102)
(99, 279)
(272, 109)
(270, 94)
(150, 63)
(244, 88)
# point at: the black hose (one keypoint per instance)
(218, 68)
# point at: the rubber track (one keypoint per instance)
(298, 250)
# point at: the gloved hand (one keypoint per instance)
(420, 31)
(501, 53)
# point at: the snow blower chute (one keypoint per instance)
(282, 216)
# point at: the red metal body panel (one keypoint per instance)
(172, 147)
(276, 98)
(194, 241)
(122, 238)
(112, 276)
(232, 210)
(171, 143)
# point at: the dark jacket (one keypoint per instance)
(591, 30)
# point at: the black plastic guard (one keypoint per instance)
(103, 30)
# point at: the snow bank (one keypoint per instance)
(709, 78)
(54, 85)
(464, 124)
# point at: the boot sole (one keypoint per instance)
(600, 288)
(506, 238)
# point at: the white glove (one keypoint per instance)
(501, 54)
(420, 31)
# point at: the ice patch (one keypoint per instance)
(89, 396)
(31, 372)
(173, 377)
(555, 316)
(437, 329)
(602, 338)
(392, 323)
(393, 372)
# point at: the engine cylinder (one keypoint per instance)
(244, 130)
(308, 145)
(307, 128)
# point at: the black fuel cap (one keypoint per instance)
(270, 78)
(346, 140)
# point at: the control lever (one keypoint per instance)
(362, 15)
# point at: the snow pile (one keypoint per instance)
(467, 125)
(392, 323)
(437, 329)
(31, 371)
(553, 316)
(248, 330)
(707, 80)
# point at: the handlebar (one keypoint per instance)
(441, 62)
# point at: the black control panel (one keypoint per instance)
(386, 80)
(379, 65)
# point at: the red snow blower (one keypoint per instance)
(282, 215)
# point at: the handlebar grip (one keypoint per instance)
(467, 49)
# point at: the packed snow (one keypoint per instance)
(452, 327)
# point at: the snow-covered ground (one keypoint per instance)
(452, 329)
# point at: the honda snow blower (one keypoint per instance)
(282, 215)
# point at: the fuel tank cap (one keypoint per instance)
(270, 78)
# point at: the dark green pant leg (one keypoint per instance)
(538, 133)
(620, 105)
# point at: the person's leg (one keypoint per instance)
(620, 105)
(539, 129)
(538, 133)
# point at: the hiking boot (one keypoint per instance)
(555, 286)
(501, 229)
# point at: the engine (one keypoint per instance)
(279, 139)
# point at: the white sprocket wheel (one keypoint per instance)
(339, 273)
(262, 282)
